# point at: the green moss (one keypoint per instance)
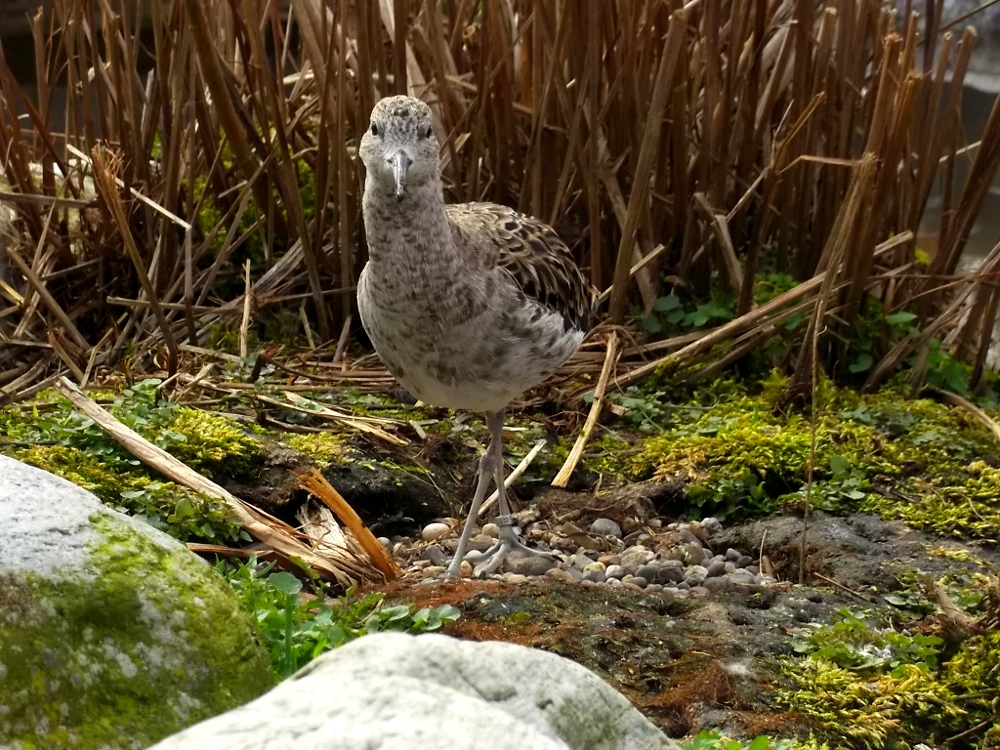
(322, 447)
(737, 455)
(882, 713)
(138, 644)
(126, 485)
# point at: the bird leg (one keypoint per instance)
(507, 542)
(482, 484)
(491, 463)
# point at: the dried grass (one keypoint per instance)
(670, 143)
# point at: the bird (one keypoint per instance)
(468, 305)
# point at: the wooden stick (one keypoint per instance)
(316, 483)
(562, 478)
(170, 467)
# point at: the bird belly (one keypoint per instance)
(480, 365)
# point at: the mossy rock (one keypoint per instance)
(112, 635)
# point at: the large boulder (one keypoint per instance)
(112, 634)
(391, 691)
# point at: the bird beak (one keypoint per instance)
(400, 164)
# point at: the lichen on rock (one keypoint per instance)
(112, 635)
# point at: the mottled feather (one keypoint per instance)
(531, 253)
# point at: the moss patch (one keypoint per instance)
(138, 644)
(912, 459)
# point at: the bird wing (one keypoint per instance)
(532, 255)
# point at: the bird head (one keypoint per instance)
(399, 148)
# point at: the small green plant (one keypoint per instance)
(670, 314)
(715, 740)
(644, 411)
(296, 631)
(851, 643)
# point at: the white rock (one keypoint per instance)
(392, 691)
(97, 601)
(434, 531)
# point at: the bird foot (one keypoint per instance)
(507, 542)
(494, 557)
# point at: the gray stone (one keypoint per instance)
(730, 567)
(669, 575)
(695, 575)
(732, 555)
(594, 572)
(741, 577)
(102, 611)
(715, 569)
(699, 591)
(615, 571)
(694, 553)
(636, 556)
(639, 581)
(688, 536)
(435, 555)
(606, 527)
(715, 585)
(432, 691)
(647, 571)
(672, 564)
(558, 574)
(711, 525)
(529, 565)
(744, 561)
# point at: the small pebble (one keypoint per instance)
(715, 585)
(733, 555)
(699, 591)
(687, 536)
(491, 530)
(753, 569)
(558, 574)
(610, 560)
(676, 553)
(587, 582)
(669, 575)
(679, 594)
(759, 580)
(744, 561)
(606, 527)
(481, 542)
(514, 578)
(465, 569)
(595, 575)
(672, 564)
(730, 567)
(434, 531)
(711, 525)
(612, 582)
(434, 570)
(630, 586)
(435, 554)
(595, 566)
(474, 555)
(639, 581)
(636, 556)
(529, 565)
(715, 569)
(615, 571)
(694, 554)
(683, 586)
(385, 542)
(741, 577)
(695, 575)
(654, 587)
(647, 571)
(656, 523)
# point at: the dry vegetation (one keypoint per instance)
(674, 145)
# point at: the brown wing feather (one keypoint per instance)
(532, 254)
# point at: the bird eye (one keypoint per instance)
(374, 129)
(429, 132)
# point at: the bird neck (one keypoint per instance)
(415, 229)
